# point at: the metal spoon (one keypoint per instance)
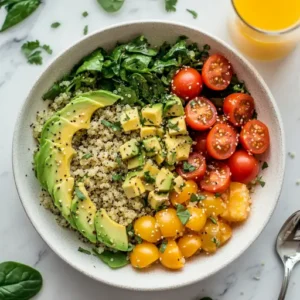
(288, 248)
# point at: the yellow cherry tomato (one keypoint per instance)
(226, 232)
(172, 257)
(210, 237)
(190, 188)
(197, 219)
(143, 255)
(147, 228)
(168, 223)
(214, 206)
(189, 244)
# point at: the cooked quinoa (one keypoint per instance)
(95, 163)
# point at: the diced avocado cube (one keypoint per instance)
(179, 184)
(173, 107)
(129, 149)
(160, 157)
(160, 131)
(148, 131)
(152, 115)
(177, 126)
(152, 146)
(151, 168)
(164, 180)
(136, 161)
(180, 145)
(156, 200)
(149, 187)
(130, 119)
(133, 185)
(171, 158)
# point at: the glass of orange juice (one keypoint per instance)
(265, 29)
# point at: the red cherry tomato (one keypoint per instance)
(243, 166)
(239, 108)
(197, 161)
(217, 72)
(200, 141)
(255, 137)
(187, 83)
(200, 113)
(221, 141)
(216, 178)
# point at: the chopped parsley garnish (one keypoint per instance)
(79, 194)
(192, 104)
(170, 5)
(138, 239)
(188, 167)
(173, 126)
(265, 165)
(126, 117)
(114, 126)
(148, 178)
(85, 14)
(118, 160)
(84, 251)
(130, 247)
(87, 155)
(55, 25)
(193, 13)
(197, 198)
(33, 50)
(117, 177)
(213, 220)
(163, 246)
(218, 195)
(183, 214)
(85, 30)
(260, 181)
(216, 241)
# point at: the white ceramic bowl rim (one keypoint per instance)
(184, 281)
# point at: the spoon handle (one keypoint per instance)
(288, 267)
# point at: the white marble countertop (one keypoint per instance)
(257, 273)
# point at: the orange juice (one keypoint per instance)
(266, 29)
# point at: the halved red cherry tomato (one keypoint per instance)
(221, 141)
(187, 83)
(217, 72)
(255, 137)
(217, 177)
(243, 166)
(200, 113)
(200, 145)
(197, 162)
(239, 108)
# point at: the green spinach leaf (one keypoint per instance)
(140, 45)
(114, 260)
(111, 5)
(137, 63)
(93, 62)
(18, 11)
(18, 281)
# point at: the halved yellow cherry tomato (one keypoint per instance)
(190, 188)
(189, 244)
(172, 257)
(143, 255)
(211, 237)
(147, 228)
(226, 232)
(197, 219)
(214, 206)
(168, 223)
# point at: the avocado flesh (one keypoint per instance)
(109, 232)
(52, 160)
(63, 194)
(83, 214)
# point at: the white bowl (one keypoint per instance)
(65, 243)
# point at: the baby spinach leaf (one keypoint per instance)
(137, 63)
(140, 45)
(93, 62)
(111, 5)
(18, 281)
(114, 260)
(53, 92)
(170, 5)
(18, 11)
(128, 94)
(159, 65)
(183, 214)
(140, 86)
(178, 48)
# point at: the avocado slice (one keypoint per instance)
(83, 213)
(63, 194)
(109, 232)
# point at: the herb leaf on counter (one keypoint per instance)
(17, 11)
(55, 25)
(85, 30)
(18, 281)
(170, 5)
(32, 51)
(193, 13)
(111, 5)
